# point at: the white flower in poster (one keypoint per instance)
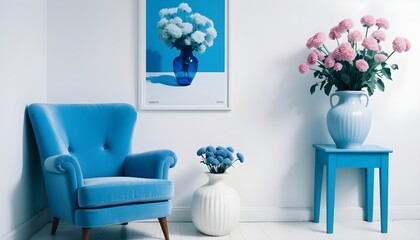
(179, 27)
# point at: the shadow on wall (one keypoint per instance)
(153, 61)
(153, 64)
(164, 79)
(310, 113)
(29, 197)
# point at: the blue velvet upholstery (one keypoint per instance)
(91, 177)
(110, 191)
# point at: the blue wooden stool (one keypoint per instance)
(368, 157)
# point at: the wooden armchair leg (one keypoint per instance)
(85, 233)
(54, 225)
(164, 225)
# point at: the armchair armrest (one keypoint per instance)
(153, 164)
(65, 163)
(63, 177)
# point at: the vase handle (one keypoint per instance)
(363, 94)
(331, 97)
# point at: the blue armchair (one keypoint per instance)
(91, 178)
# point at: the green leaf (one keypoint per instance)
(370, 54)
(327, 88)
(318, 74)
(346, 78)
(394, 66)
(371, 85)
(386, 72)
(381, 85)
(312, 90)
(384, 53)
(370, 91)
(322, 84)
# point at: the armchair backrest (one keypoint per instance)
(97, 135)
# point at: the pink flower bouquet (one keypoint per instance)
(358, 62)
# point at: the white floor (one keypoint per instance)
(359, 230)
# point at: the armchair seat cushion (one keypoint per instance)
(108, 191)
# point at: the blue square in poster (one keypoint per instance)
(159, 56)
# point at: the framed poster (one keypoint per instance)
(183, 55)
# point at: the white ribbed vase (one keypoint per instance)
(215, 207)
(349, 120)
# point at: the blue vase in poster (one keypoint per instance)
(185, 67)
(349, 120)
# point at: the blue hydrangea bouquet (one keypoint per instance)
(219, 159)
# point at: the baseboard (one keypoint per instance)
(404, 213)
(179, 214)
(305, 214)
(28, 228)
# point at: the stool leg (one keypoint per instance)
(319, 171)
(369, 178)
(331, 169)
(383, 188)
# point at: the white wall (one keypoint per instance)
(92, 51)
(23, 71)
(92, 57)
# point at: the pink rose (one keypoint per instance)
(348, 56)
(370, 43)
(319, 54)
(344, 47)
(338, 67)
(316, 40)
(408, 45)
(379, 35)
(335, 33)
(329, 62)
(344, 52)
(399, 44)
(368, 20)
(354, 36)
(380, 57)
(362, 65)
(345, 24)
(309, 43)
(382, 23)
(334, 54)
(303, 68)
(312, 58)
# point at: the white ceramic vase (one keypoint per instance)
(215, 207)
(349, 120)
